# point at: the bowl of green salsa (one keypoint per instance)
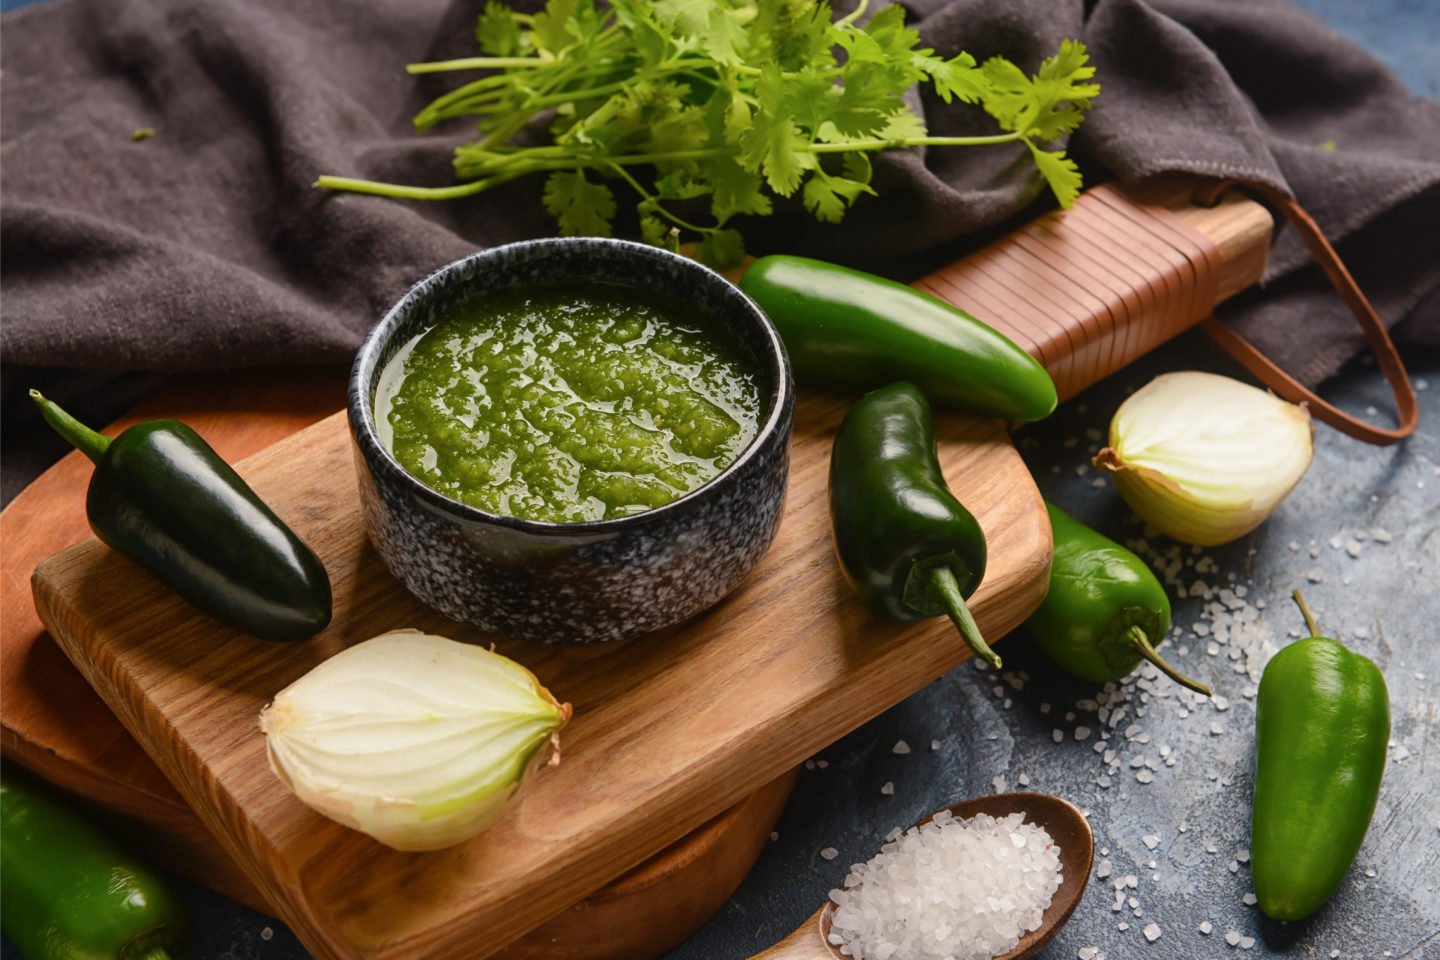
(575, 439)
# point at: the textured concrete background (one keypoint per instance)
(1181, 834)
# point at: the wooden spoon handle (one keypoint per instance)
(806, 943)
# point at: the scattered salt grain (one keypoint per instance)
(874, 917)
(901, 747)
(1232, 938)
(822, 764)
(1024, 780)
(1057, 735)
(1151, 841)
(1082, 733)
(1314, 575)
(1206, 927)
(1104, 869)
(1246, 943)
(1087, 953)
(1335, 543)
(1334, 954)
(829, 853)
(266, 933)
(1152, 932)
(1248, 900)
(774, 835)
(1216, 728)
(934, 744)
(1381, 535)
(1122, 926)
(1352, 547)
(888, 789)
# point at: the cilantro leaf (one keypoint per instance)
(1047, 106)
(722, 248)
(582, 208)
(1059, 172)
(498, 32)
(827, 197)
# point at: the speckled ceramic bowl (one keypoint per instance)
(584, 581)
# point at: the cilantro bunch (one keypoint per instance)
(737, 102)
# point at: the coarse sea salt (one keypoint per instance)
(876, 917)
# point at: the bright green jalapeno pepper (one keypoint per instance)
(1322, 725)
(909, 548)
(1105, 610)
(72, 895)
(847, 330)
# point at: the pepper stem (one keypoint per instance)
(1305, 612)
(942, 578)
(154, 953)
(1140, 643)
(81, 437)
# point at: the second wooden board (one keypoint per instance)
(669, 730)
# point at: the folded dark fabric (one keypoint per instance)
(206, 246)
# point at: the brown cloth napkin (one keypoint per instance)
(206, 247)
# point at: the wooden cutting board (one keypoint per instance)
(669, 730)
(782, 668)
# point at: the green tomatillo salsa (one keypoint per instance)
(567, 403)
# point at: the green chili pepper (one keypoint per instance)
(72, 895)
(162, 497)
(848, 330)
(1322, 725)
(909, 548)
(1105, 611)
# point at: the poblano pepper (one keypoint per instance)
(1105, 610)
(847, 330)
(907, 546)
(1322, 726)
(162, 497)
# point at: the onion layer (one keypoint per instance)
(414, 739)
(1204, 458)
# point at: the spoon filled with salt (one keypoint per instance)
(964, 856)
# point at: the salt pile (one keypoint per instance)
(954, 889)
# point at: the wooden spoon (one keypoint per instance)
(1066, 826)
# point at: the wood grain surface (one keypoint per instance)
(669, 729)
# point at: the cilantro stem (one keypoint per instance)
(476, 63)
(853, 15)
(401, 191)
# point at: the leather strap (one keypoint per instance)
(1281, 382)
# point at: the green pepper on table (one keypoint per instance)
(1322, 726)
(162, 496)
(1105, 610)
(907, 546)
(70, 894)
(848, 330)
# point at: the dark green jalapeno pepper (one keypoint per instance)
(1322, 725)
(847, 330)
(907, 546)
(70, 894)
(162, 497)
(1105, 610)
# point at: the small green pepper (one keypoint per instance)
(907, 546)
(72, 895)
(1105, 611)
(162, 497)
(1322, 725)
(847, 330)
